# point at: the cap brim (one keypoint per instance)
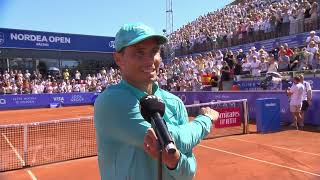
(161, 40)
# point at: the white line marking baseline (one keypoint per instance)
(33, 177)
(259, 160)
(279, 147)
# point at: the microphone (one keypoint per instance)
(152, 109)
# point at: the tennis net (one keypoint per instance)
(233, 117)
(33, 144)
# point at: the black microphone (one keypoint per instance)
(152, 109)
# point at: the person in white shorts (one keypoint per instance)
(295, 93)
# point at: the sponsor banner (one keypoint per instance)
(13, 38)
(44, 100)
(314, 82)
(254, 84)
(228, 117)
(285, 115)
(249, 84)
(293, 41)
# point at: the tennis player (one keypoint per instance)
(127, 145)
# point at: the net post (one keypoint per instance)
(246, 116)
(25, 145)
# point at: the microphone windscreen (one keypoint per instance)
(149, 105)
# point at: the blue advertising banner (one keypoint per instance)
(44, 100)
(23, 39)
(296, 40)
(314, 82)
(252, 96)
(254, 84)
(249, 85)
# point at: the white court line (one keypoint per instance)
(14, 149)
(33, 177)
(262, 161)
(279, 147)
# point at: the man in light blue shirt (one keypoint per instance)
(127, 145)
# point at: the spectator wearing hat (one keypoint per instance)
(312, 37)
(240, 55)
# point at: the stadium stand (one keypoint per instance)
(202, 58)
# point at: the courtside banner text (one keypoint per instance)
(44, 100)
(254, 84)
(23, 39)
(228, 117)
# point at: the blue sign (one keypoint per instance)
(44, 100)
(23, 39)
(285, 115)
(293, 41)
(255, 84)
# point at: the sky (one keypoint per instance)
(99, 17)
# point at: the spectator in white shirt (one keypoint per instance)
(296, 96)
(264, 65)
(312, 49)
(246, 66)
(77, 75)
(313, 37)
(273, 65)
(255, 66)
(27, 75)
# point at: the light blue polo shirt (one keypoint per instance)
(120, 131)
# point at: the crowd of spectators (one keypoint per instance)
(247, 21)
(215, 70)
(18, 82)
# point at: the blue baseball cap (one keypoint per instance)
(134, 33)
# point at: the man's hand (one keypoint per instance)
(214, 115)
(151, 146)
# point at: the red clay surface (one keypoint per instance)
(288, 154)
(44, 114)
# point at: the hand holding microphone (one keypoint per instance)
(152, 109)
(158, 137)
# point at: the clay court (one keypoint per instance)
(289, 154)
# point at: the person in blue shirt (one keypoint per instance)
(127, 145)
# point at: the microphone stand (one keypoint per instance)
(159, 151)
(160, 165)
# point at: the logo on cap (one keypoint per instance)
(112, 44)
(1, 38)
